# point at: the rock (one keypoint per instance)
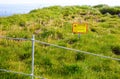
(119, 14)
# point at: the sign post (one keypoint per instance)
(79, 35)
(79, 28)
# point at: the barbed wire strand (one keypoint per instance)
(4, 70)
(98, 55)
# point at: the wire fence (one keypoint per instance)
(32, 62)
(45, 43)
(25, 74)
(89, 53)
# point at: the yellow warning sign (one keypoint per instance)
(79, 28)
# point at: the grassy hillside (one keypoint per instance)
(54, 25)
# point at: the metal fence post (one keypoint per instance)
(33, 45)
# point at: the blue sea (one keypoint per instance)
(10, 9)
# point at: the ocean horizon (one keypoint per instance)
(11, 9)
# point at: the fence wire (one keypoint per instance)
(98, 55)
(25, 74)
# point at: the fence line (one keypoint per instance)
(32, 74)
(98, 55)
(15, 72)
(54, 45)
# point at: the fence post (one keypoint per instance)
(33, 45)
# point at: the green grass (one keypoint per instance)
(54, 25)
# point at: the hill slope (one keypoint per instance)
(54, 25)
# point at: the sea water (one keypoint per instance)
(10, 9)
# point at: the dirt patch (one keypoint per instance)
(116, 50)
